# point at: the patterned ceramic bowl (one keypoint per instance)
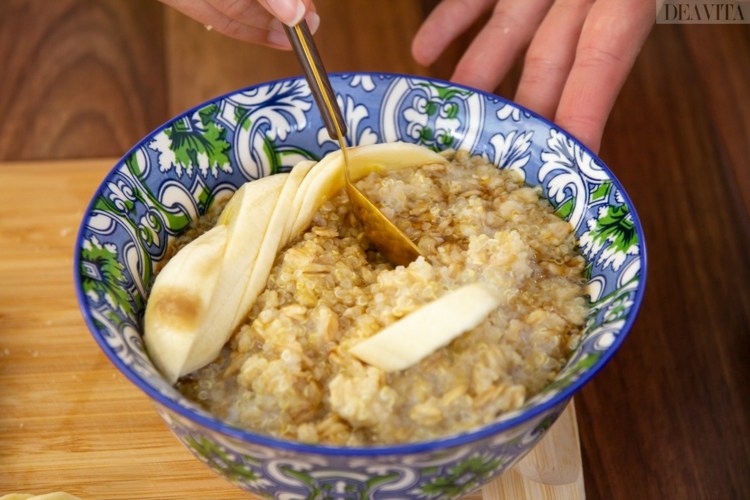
(172, 175)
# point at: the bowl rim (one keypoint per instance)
(215, 424)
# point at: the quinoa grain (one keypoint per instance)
(287, 372)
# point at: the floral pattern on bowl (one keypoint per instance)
(175, 173)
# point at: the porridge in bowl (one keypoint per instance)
(136, 233)
(289, 369)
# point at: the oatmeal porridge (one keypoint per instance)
(288, 372)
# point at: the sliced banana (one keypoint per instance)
(327, 178)
(434, 325)
(206, 291)
(180, 299)
(180, 341)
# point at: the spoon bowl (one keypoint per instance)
(384, 234)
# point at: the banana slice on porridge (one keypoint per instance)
(414, 337)
(207, 289)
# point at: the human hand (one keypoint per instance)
(579, 53)
(255, 21)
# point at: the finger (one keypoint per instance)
(257, 13)
(206, 14)
(610, 41)
(248, 12)
(278, 37)
(445, 23)
(255, 23)
(493, 51)
(289, 12)
(550, 56)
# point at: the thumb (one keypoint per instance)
(289, 12)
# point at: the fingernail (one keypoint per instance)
(300, 13)
(290, 12)
(313, 22)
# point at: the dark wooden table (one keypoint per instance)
(669, 417)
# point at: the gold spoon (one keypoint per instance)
(389, 239)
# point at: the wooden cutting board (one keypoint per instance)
(69, 421)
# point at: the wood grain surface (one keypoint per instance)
(80, 79)
(70, 421)
(669, 417)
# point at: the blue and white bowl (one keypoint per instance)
(173, 175)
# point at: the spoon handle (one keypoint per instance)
(309, 58)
